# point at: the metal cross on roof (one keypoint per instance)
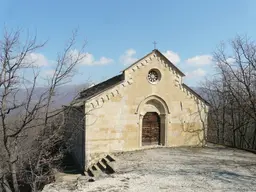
(154, 44)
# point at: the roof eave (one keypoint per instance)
(176, 68)
(197, 95)
(156, 51)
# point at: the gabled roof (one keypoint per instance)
(109, 83)
(101, 87)
(156, 51)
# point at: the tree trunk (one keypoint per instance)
(6, 185)
(34, 186)
(223, 127)
(233, 128)
(254, 137)
(234, 137)
(14, 177)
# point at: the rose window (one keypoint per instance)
(153, 76)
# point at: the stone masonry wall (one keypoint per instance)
(112, 123)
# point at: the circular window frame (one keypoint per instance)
(159, 75)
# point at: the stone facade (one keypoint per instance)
(114, 114)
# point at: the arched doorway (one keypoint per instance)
(153, 107)
(151, 129)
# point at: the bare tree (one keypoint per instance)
(33, 114)
(232, 94)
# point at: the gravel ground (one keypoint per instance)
(173, 169)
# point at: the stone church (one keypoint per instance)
(147, 105)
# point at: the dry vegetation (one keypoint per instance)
(232, 94)
(31, 130)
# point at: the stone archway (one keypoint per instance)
(153, 105)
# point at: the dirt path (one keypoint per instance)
(177, 169)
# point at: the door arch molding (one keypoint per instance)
(155, 104)
(164, 109)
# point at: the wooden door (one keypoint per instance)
(151, 129)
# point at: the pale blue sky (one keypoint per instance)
(118, 32)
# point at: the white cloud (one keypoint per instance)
(36, 59)
(172, 56)
(88, 59)
(231, 60)
(39, 60)
(200, 60)
(103, 61)
(196, 73)
(128, 57)
(49, 73)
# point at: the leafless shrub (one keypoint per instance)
(31, 130)
(232, 94)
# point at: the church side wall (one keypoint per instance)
(75, 134)
(112, 123)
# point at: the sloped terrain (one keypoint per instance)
(173, 169)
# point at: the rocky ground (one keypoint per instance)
(171, 169)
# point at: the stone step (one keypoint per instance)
(104, 165)
(95, 170)
(90, 172)
(109, 165)
(110, 158)
(101, 165)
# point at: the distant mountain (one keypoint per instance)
(63, 95)
(66, 93)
